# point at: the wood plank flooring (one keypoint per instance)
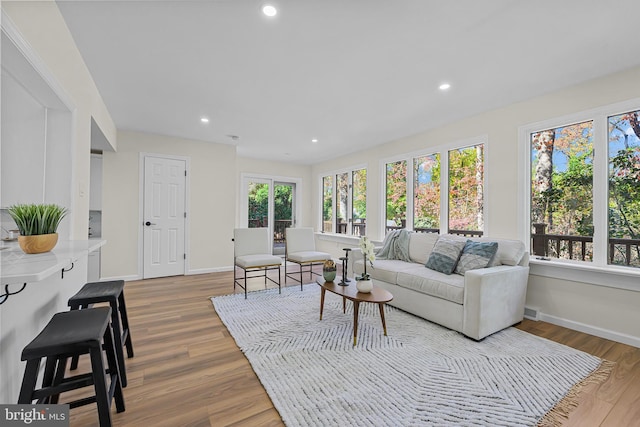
(188, 371)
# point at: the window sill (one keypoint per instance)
(577, 271)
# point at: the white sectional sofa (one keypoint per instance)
(477, 304)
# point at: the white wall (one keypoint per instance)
(583, 306)
(211, 202)
(43, 29)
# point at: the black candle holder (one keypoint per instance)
(345, 267)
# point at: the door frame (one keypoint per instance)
(242, 218)
(187, 207)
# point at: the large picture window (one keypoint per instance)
(624, 189)
(562, 191)
(344, 202)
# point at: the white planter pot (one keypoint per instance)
(364, 286)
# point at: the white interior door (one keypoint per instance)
(164, 217)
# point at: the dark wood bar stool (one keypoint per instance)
(113, 293)
(70, 334)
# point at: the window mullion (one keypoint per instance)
(444, 191)
(600, 191)
(409, 193)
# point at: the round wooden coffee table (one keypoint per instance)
(377, 296)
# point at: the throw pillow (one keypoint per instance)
(476, 255)
(445, 254)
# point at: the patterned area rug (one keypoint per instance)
(421, 374)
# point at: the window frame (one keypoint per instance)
(597, 271)
(333, 174)
(443, 151)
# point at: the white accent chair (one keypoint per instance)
(252, 252)
(300, 248)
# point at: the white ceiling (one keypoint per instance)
(351, 73)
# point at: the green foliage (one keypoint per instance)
(259, 202)
(33, 219)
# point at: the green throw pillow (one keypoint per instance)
(445, 254)
(476, 255)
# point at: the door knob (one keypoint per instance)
(148, 223)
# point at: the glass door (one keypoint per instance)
(270, 204)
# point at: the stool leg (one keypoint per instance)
(49, 372)
(100, 386)
(75, 359)
(117, 339)
(114, 369)
(61, 367)
(125, 324)
(29, 381)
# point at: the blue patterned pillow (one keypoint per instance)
(476, 255)
(445, 254)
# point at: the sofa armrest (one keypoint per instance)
(493, 299)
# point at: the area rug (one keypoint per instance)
(421, 374)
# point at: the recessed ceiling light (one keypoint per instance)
(444, 86)
(314, 140)
(204, 119)
(269, 10)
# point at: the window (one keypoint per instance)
(426, 193)
(396, 191)
(562, 192)
(414, 199)
(466, 195)
(584, 187)
(348, 202)
(624, 189)
(327, 203)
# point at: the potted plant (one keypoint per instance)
(38, 225)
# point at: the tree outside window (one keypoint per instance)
(396, 191)
(327, 204)
(426, 193)
(624, 189)
(466, 189)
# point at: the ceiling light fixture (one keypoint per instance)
(314, 140)
(204, 119)
(444, 86)
(269, 10)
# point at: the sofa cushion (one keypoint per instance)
(421, 245)
(384, 269)
(510, 252)
(476, 255)
(434, 283)
(445, 254)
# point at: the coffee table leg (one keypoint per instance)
(384, 324)
(356, 306)
(322, 291)
(344, 305)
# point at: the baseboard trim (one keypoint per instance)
(195, 271)
(591, 330)
(125, 278)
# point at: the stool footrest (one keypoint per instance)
(82, 402)
(68, 384)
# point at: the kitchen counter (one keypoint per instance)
(18, 267)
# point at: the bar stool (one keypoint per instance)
(111, 292)
(67, 335)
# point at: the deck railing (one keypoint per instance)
(279, 225)
(621, 251)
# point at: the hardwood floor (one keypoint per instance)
(188, 371)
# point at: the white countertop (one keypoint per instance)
(18, 267)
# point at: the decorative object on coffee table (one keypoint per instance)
(38, 224)
(363, 282)
(329, 270)
(345, 267)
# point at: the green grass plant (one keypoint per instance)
(36, 219)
